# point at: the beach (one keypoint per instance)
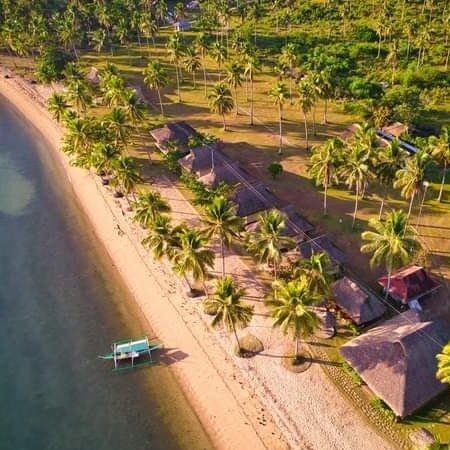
(242, 404)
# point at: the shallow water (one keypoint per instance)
(61, 304)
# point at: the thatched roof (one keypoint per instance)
(322, 244)
(409, 283)
(396, 129)
(199, 160)
(252, 198)
(175, 131)
(361, 306)
(398, 360)
(296, 224)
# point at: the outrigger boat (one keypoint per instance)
(129, 350)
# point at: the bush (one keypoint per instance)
(360, 88)
(365, 33)
(275, 169)
(171, 161)
(384, 409)
(51, 64)
(353, 374)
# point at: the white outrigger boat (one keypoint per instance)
(130, 350)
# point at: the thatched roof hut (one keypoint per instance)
(252, 198)
(199, 160)
(397, 360)
(409, 283)
(295, 225)
(358, 304)
(93, 76)
(322, 244)
(179, 132)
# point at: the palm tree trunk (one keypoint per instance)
(314, 120)
(388, 287)
(441, 190)
(194, 80)
(306, 130)
(204, 78)
(236, 100)
(222, 250)
(382, 203)
(280, 142)
(237, 339)
(325, 111)
(325, 199)
(356, 207)
(178, 82)
(224, 124)
(410, 206)
(160, 102)
(251, 99)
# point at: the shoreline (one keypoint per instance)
(216, 406)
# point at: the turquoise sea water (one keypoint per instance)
(61, 304)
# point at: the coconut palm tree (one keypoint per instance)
(191, 257)
(289, 59)
(126, 175)
(78, 94)
(235, 72)
(192, 62)
(355, 170)
(324, 164)
(221, 101)
(219, 53)
(231, 311)
(221, 222)
(443, 358)
(252, 65)
(268, 243)
(102, 157)
(291, 305)
(161, 237)
(98, 39)
(280, 94)
(148, 206)
(306, 101)
(113, 91)
(440, 150)
(411, 177)
(202, 44)
(155, 77)
(133, 106)
(390, 161)
(57, 105)
(392, 60)
(117, 123)
(175, 50)
(391, 242)
(316, 269)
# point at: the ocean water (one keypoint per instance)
(61, 304)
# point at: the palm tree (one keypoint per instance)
(390, 161)
(231, 311)
(175, 51)
(221, 221)
(78, 95)
(113, 91)
(148, 206)
(440, 150)
(133, 106)
(126, 175)
(98, 39)
(192, 62)
(392, 60)
(324, 165)
(155, 77)
(291, 305)
(191, 257)
(411, 177)
(289, 59)
(235, 71)
(316, 269)
(57, 105)
(221, 101)
(117, 122)
(161, 238)
(201, 42)
(356, 173)
(443, 358)
(306, 102)
(268, 243)
(252, 64)
(103, 157)
(391, 242)
(280, 94)
(219, 54)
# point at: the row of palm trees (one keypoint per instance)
(361, 159)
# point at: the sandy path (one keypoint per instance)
(227, 393)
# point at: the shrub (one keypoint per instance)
(353, 374)
(51, 64)
(384, 409)
(275, 169)
(365, 33)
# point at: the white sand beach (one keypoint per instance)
(242, 403)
